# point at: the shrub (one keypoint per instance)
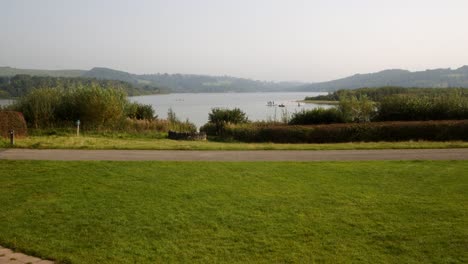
(95, 107)
(10, 120)
(41, 106)
(378, 94)
(409, 107)
(222, 117)
(317, 116)
(135, 125)
(175, 124)
(227, 116)
(356, 109)
(99, 108)
(335, 133)
(210, 129)
(140, 111)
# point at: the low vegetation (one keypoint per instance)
(192, 212)
(219, 118)
(177, 125)
(145, 140)
(378, 94)
(317, 116)
(356, 117)
(95, 107)
(395, 104)
(450, 106)
(351, 132)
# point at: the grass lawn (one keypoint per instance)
(125, 141)
(207, 212)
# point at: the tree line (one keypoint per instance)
(20, 85)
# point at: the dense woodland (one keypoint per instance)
(20, 85)
(378, 94)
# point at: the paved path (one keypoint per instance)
(254, 155)
(7, 256)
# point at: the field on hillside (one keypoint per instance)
(203, 212)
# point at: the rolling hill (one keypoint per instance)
(183, 83)
(8, 71)
(438, 78)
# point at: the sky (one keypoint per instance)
(280, 40)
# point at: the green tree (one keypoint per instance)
(357, 108)
(222, 117)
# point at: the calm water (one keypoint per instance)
(196, 107)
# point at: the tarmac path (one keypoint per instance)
(246, 155)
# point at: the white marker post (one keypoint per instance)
(78, 128)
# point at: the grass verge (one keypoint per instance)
(151, 143)
(202, 212)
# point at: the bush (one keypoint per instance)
(408, 107)
(227, 116)
(98, 108)
(140, 111)
(175, 124)
(222, 117)
(335, 133)
(356, 109)
(41, 106)
(210, 129)
(317, 116)
(135, 125)
(10, 120)
(379, 94)
(95, 107)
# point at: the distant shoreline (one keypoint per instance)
(319, 102)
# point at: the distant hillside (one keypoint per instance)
(190, 83)
(183, 83)
(9, 72)
(21, 84)
(439, 78)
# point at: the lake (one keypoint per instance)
(196, 106)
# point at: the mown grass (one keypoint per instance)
(201, 212)
(156, 142)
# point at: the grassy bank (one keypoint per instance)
(156, 142)
(159, 212)
(324, 102)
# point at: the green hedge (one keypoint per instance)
(354, 132)
(317, 116)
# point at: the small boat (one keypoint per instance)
(271, 103)
(281, 105)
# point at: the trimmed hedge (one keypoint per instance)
(317, 116)
(353, 132)
(10, 120)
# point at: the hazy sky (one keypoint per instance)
(307, 40)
